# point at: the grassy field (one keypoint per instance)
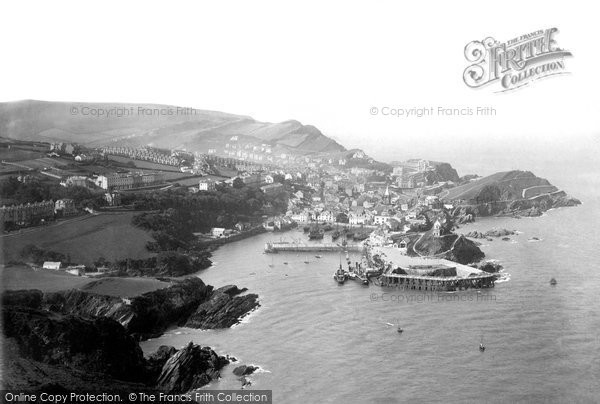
(147, 165)
(87, 238)
(47, 280)
(23, 277)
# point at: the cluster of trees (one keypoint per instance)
(179, 214)
(165, 263)
(37, 191)
(37, 255)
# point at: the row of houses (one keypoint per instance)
(29, 213)
(144, 154)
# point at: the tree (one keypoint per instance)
(238, 183)
(342, 218)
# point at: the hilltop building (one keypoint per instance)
(119, 181)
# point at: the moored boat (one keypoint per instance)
(340, 275)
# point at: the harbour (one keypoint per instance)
(276, 246)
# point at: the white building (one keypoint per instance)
(206, 185)
(51, 265)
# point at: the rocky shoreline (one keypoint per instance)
(79, 340)
(514, 208)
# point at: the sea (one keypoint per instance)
(317, 341)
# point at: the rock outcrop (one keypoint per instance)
(491, 233)
(48, 350)
(188, 302)
(190, 368)
(515, 208)
(451, 246)
(224, 308)
(490, 266)
(87, 344)
(465, 251)
(245, 370)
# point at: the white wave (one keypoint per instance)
(505, 277)
(246, 319)
(260, 369)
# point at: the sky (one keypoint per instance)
(322, 63)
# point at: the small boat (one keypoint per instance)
(340, 275)
(400, 330)
(553, 282)
(481, 347)
(285, 263)
(318, 256)
(307, 262)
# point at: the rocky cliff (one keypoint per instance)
(97, 344)
(451, 246)
(48, 350)
(187, 302)
(224, 308)
(465, 213)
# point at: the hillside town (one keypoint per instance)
(348, 189)
(188, 200)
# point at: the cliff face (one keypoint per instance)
(522, 207)
(223, 309)
(190, 368)
(190, 302)
(87, 344)
(77, 346)
(48, 351)
(452, 247)
(444, 172)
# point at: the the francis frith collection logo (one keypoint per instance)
(515, 63)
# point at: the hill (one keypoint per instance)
(502, 186)
(99, 124)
